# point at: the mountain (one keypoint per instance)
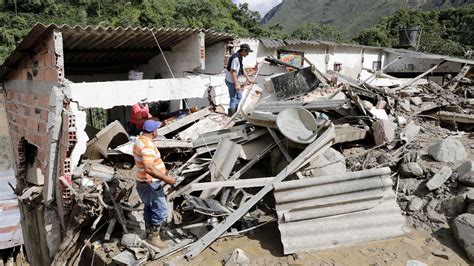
(349, 16)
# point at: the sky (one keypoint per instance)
(262, 6)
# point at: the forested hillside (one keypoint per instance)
(18, 16)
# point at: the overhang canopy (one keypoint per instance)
(98, 47)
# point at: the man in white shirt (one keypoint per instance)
(235, 69)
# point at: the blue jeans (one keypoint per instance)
(154, 199)
(234, 95)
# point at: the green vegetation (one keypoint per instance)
(448, 31)
(350, 17)
(316, 31)
(220, 15)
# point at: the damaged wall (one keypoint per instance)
(420, 65)
(34, 106)
(183, 57)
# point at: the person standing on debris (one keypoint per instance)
(151, 176)
(140, 112)
(235, 69)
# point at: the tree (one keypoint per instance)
(448, 31)
(317, 31)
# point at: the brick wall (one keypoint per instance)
(28, 98)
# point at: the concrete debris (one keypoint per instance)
(448, 150)
(467, 179)
(416, 204)
(111, 136)
(331, 162)
(439, 179)
(237, 258)
(463, 227)
(301, 134)
(384, 131)
(411, 170)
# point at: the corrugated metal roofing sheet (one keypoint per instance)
(415, 54)
(99, 45)
(331, 211)
(10, 227)
(273, 43)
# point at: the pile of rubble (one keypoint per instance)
(338, 155)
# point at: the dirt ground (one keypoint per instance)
(264, 248)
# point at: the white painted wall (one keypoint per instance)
(114, 93)
(183, 57)
(420, 65)
(215, 55)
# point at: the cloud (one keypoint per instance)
(262, 6)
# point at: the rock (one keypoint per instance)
(130, 240)
(416, 204)
(467, 179)
(463, 227)
(415, 263)
(411, 170)
(331, 162)
(416, 100)
(237, 257)
(455, 205)
(448, 150)
(469, 195)
(470, 208)
(465, 168)
(439, 178)
(384, 131)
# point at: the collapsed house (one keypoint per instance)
(74, 172)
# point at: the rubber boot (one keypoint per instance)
(231, 111)
(155, 238)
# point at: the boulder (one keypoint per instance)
(463, 227)
(467, 179)
(454, 206)
(411, 170)
(448, 150)
(439, 178)
(465, 168)
(415, 204)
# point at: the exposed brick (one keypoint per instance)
(30, 100)
(27, 111)
(44, 101)
(44, 115)
(30, 136)
(35, 99)
(42, 127)
(40, 75)
(21, 131)
(51, 74)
